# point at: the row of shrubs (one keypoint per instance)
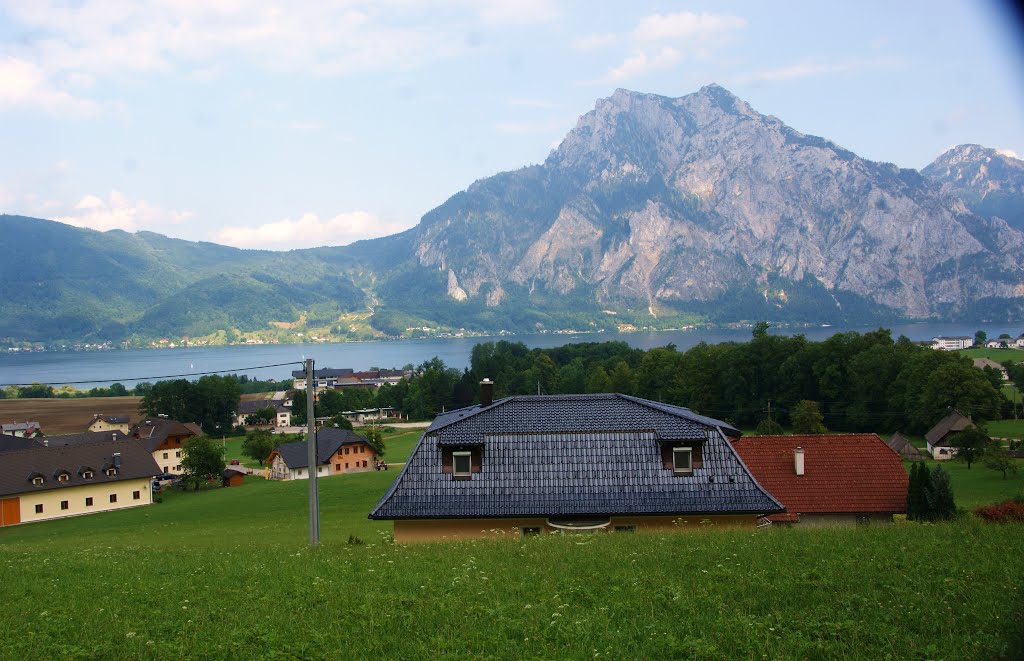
(1008, 511)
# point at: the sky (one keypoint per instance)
(281, 125)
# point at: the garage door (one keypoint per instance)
(10, 511)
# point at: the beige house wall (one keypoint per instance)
(103, 425)
(172, 464)
(842, 519)
(411, 531)
(100, 494)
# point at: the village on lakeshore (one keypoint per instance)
(520, 464)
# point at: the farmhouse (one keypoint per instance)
(100, 422)
(828, 478)
(282, 413)
(338, 451)
(902, 446)
(541, 464)
(163, 438)
(23, 429)
(43, 483)
(348, 378)
(982, 363)
(939, 445)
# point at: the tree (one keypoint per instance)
(917, 492)
(265, 415)
(970, 445)
(769, 427)
(375, 438)
(807, 419)
(997, 458)
(339, 421)
(939, 494)
(202, 459)
(258, 445)
(980, 338)
(35, 391)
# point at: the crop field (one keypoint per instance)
(67, 416)
(227, 573)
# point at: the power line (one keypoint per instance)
(153, 378)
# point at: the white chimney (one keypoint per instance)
(798, 460)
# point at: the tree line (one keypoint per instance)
(45, 391)
(856, 382)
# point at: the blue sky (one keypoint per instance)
(267, 125)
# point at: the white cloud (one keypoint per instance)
(119, 212)
(518, 12)
(595, 42)
(1008, 152)
(812, 69)
(309, 231)
(24, 84)
(686, 25)
(640, 64)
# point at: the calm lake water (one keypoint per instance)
(88, 369)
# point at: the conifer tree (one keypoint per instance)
(940, 495)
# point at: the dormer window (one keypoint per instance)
(87, 475)
(682, 461)
(63, 477)
(38, 480)
(462, 464)
(111, 472)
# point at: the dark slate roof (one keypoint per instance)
(553, 413)
(573, 455)
(328, 440)
(154, 431)
(251, 406)
(324, 373)
(83, 437)
(953, 422)
(111, 419)
(11, 443)
(16, 468)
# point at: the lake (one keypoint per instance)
(91, 369)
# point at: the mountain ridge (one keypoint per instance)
(652, 211)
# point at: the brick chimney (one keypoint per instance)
(486, 392)
(798, 460)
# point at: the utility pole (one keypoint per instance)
(314, 501)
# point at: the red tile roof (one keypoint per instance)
(843, 473)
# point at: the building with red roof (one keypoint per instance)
(828, 478)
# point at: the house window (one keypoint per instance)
(88, 501)
(346, 464)
(86, 475)
(337, 467)
(63, 477)
(364, 463)
(64, 504)
(38, 480)
(462, 464)
(529, 531)
(111, 472)
(165, 455)
(113, 497)
(136, 495)
(165, 469)
(346, 450)
(178, 453)
(39, 509)
(625, 528)
(682, 462)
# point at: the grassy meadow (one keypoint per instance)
(998, 355)
(227, 573)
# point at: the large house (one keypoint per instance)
(23, 429)
(329, 378)
(338, 451)
(41, 483)
(828, 478)
(982, 363)
(542, 464)
(282, 413)
(952, 343)
(326, 377)
(100, 422)
(938, 437)
(163, 439)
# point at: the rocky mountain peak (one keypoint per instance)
(989, 181)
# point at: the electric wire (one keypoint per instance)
(152, 378)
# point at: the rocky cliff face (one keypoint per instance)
(990, 182)
(666, 205)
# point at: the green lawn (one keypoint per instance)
(998, 355)
(1005, 428)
